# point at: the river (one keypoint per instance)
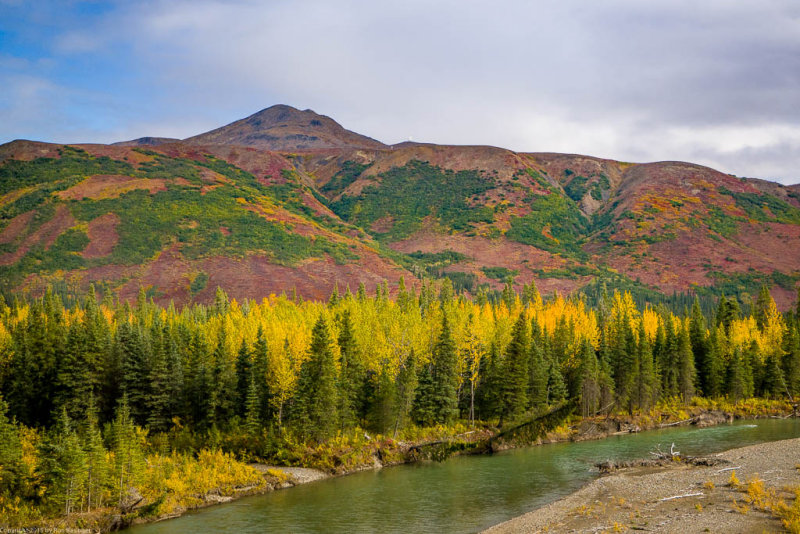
(462, 494)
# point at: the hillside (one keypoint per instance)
(259, 206)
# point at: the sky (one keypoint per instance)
(713, 82)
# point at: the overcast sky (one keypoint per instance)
(714, 82)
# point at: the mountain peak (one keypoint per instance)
(282, 127)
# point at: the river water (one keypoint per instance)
(462, 494)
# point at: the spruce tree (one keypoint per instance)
(774, 385)
(12, 470)
(126, 444)
(488, 394)
(700, 346)
(134, 366)
(97, 466)
(315, 413)
(158, 398)
(715, 363)
(252, 409)
(736, 383)
(686, 370)
(424, 410)
(644, 387)
(623, 353)
(556, 389)
(589, 380)
(513, 393)
(74, 380)
(445, 375)
(791, 359)
(244, 378)
(382, 414)
(406, 389)
(223, 383)
(351, 376)
(63, 464)
(261, 373)
(762, 306)
(537, 377)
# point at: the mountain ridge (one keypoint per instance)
(257, 221)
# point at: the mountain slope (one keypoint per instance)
(180, 218)
(285, 128)
(178, 224)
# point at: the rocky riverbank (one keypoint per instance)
(680, 498)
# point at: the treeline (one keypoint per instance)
(93, 379)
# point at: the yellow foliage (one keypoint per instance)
(182, 481)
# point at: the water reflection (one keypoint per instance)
(463, 494)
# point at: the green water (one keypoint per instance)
(462, 494)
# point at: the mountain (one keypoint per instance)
(183, 217)
(147, 141)
(285, 128)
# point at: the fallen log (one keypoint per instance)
(681, 496)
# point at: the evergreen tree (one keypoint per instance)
(589, 380)
(63, 464)
(351, 377)
(644, 386)
(513, 393)
(752, 358)
(715, 364)
(556, 389)
(774, 385)
(158, 398)
(446, 292)
(382, 415)
(361, 293)
(221, 303)
(509, 295)
(445, 375)
(32, 377)
(727, 312)
(488, 392)
(334, 298)
(669, 361)
(762, 306)
(11, 465)
(406, 389)
(791, 359)
(135, 373)
(176, 388)
(737, 386)
(537, 377)
(97, 469)
(74, 381)
(261, 374)
(244, 378)
(623, 353)
(252, 409)
(126, 445)
(424, 410)
(686, 370)
(700, 346)
(315, 405)
(223, 382)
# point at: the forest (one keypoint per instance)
(105, 402)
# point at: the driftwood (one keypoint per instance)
(677, 422)
(660, 459)
(729, 469)
(681, 496)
